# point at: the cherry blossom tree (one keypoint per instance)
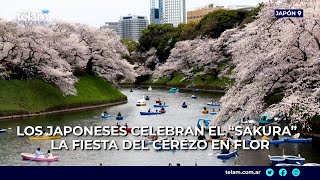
(56, 52)
(276, 56)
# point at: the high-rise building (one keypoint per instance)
(168, 12)
(174, 12)
(131, 26)
(111, 25)
(197, 14)
(156, 11)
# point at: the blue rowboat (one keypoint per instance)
(276, 141)
(194, 97)
(173, 90)
(3, 131)
(119, 118)
(106, 116)
(291, 140)
(214, 113)
(214, 104)
(228, 156)
(149, 113)
(295, 160)
(203, 122)
(270, 141)
(160, 106)
(277, 160)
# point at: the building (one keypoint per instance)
(174, 12)
(197, 14)
(131, 26)
(168, 12)
(156, 11)
(111, 25)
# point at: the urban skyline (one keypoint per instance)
(85, 11)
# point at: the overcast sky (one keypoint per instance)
(96, 12)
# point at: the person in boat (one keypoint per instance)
(131, 90)
(184, 104)
(48, 155)
(156, 111)
(39, 152)
(253, 138)
(164, 103)
(170, 164)
(204, 108)
(149, 110)
(160, 103)
(225, 151)
(119, 114)
(126, 125)
(118, 125)
(105, 113)
(265, 138)
(213, 110)
(276, 137)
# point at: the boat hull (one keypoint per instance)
(149, 113)
(289, 140)
(119, 118)
(227, 156)
(3, 131)
(43, 138)
(214, 104)
(32, 157)
(160, 106)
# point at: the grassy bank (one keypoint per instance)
(33, 96)
(203, 81)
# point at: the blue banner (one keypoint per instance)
(197, 173)
(282, 13)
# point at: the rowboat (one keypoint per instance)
(119, 118)
(228, 156)
(173, 90)
(162, 111)
(149, 113)
(280, 141)
(292, 140)
(213, 113)
(270, 141)
(205, 123)
(160, 106)
(277, 160)
(43, 138)
(213, 104)
(3, 131)
(184, 106)
(105, 116)
(205, 112)
(285, 159)
(32, 157)
(141, 102)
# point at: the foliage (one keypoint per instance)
(131, 44)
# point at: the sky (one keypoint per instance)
(97, 12)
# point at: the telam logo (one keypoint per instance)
(43, 16)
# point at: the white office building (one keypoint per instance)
(174, 12)
(131, 26)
